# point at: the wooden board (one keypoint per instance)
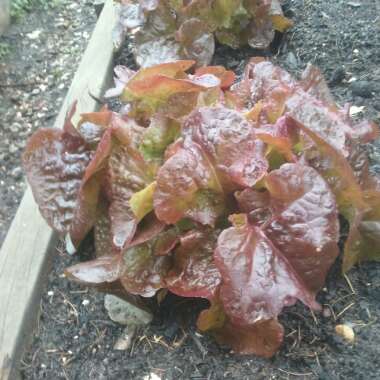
(25, 251)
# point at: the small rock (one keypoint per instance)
(13, 148)
(126, 313)
(85, 302)
(354, 110)
(346, 332)
(361, 88)
(326, 312)
(15, 127)
(126, 338)
(34, 35)
(16, 173)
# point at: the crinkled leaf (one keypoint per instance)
(264, 269)
(229, 140)
(194, 273)
(148, 228)
(197, 42)
(166, 94)
(102, 233)
(127, 174)
(55, 162)
(279, 135)
(187, 186)
(319, 118)
(168, 30)
(124, 171)
(304, 221)
(256, 204)
(144, 271)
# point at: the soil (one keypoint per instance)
(42, 52)
(74, 338)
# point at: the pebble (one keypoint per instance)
(13, 148)
(15, 127)
(16, 173)
(126, 313)
(346, 332)
(126, 338)
(361, 88)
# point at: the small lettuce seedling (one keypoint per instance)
(214, 189)
(187, 29)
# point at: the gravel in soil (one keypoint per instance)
(42, 53)
(74, 338)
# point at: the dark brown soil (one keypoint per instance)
(74, 338)
(40, 54)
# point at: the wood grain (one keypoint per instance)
(24, 256)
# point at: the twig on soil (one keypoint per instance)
(295, 373)
(160, 340)
(349, 283)
(79, 291)
(341, 299)
(317, 359)
(331, 310)
(65, 374)
(144, 337)
(66, 301)
(179, 343)
(345, 309)
(314, 317)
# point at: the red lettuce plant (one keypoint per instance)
(186, 29)
(214, 189)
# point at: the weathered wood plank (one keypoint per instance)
(25, 251)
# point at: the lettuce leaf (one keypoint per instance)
(165, 31)
(161, 181)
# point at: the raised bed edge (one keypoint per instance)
(24, 255)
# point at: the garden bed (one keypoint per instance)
(75, 338)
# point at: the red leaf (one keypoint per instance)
(187, 187)
(194, 273)
(264, 269)
(263, 338)
(229, 140)
(105, 269)
(55, 162)
(144, 272)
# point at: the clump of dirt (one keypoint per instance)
(75, 338)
